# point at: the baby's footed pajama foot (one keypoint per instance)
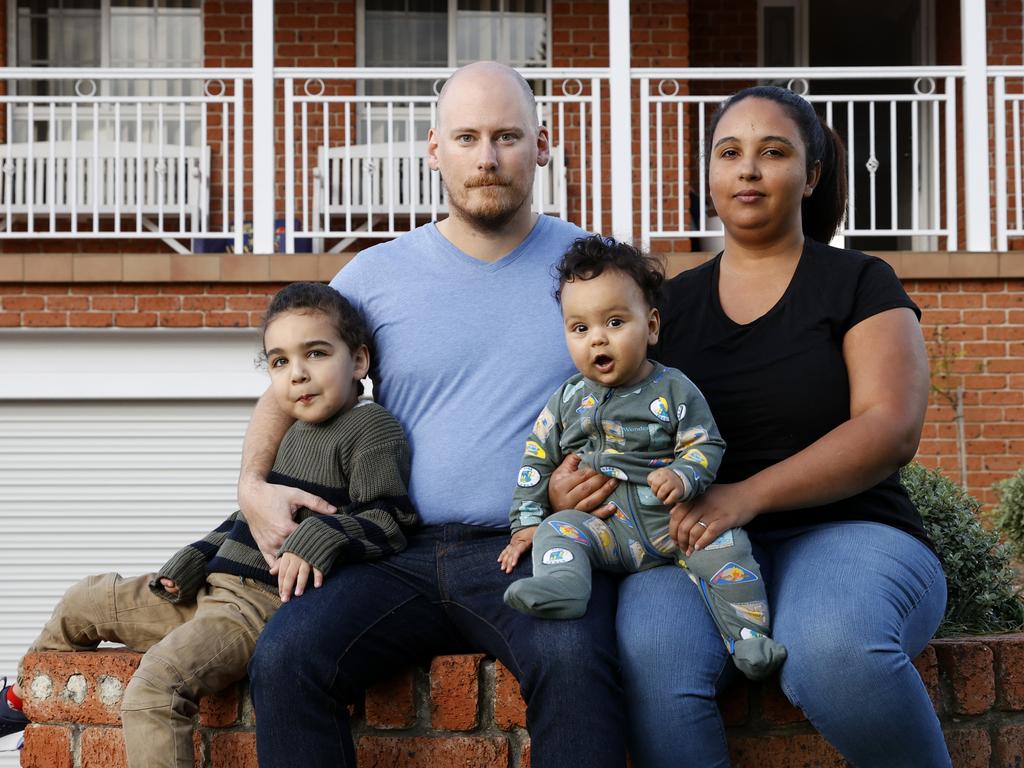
(757, 655)
(560, 595)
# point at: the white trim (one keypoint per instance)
(264, 151)
(620, 107)
(130, 364)
(973, 55)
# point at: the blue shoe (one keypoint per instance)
(12, 722)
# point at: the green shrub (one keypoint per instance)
(1009, 512)
(982, 595)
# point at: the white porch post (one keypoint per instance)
(619, 86)
(977, 204)
(264, 153)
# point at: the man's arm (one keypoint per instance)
(267, 508)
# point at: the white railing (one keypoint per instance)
(123, 154)
(143, 154)
(1008, 93)
(355, 153)
(898, 124)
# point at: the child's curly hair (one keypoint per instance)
(319, 297)
(589, 256)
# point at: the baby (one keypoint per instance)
(649, 427)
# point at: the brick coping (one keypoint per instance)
(466, 711)
(259, 268)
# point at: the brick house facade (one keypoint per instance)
(973, 304)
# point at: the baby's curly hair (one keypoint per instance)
(590, 256)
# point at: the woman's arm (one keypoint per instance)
(888, 373)
(269, 509)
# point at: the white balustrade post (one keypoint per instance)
(977, 204)
(619, 86)
(264, 154)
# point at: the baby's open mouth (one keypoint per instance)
(602, 363)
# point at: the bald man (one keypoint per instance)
(469, 346)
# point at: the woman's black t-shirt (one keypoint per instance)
(779, 383)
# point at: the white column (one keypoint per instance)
(264, 153)
(621, 119)
(977, 203)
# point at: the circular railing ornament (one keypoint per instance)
(572, 87)
(314, 87)
(924, 86)
(210, 85)
(673, 92)
(799, 86)
(80, 83)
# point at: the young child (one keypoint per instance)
(647, 426)
(199, 616)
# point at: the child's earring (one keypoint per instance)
(367, 387)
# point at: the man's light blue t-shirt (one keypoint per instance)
(467, 354)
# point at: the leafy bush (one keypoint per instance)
(1010, 511)
(982, 595)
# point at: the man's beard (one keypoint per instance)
(495, 206)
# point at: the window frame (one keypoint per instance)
(105, 24)
(453, 10)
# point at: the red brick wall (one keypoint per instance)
(133, 305)
(467, 711)
(977, 325)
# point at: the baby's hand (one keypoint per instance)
(169, 585)
(293, 574)
(667, 485)
(521, 542)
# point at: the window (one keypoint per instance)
(449, 33)
(107, 33)
(782, 41)
(104, 34)
(445, 33)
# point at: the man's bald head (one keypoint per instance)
(492, 75)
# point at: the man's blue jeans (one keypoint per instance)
(441, 595)
(853, 603)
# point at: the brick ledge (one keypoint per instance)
(262, 268)
(466, 711)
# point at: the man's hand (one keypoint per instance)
(293, 574)
(667, 485)
(521, 542)
(269, 510)
(570, 487)
(169, 585)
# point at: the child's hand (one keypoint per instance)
(667, 485)
(169, 585)
(293, 574)
(521, 542)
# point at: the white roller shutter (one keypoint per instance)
(130, 452)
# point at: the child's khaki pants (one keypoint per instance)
(191, 650)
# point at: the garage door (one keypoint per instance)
(141, 462)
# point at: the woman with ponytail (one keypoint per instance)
(813, 363)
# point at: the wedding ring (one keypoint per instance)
(701, 522)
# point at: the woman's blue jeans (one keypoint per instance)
(853, 603)
(441, 595)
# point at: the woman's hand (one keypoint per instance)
(570, 487)
(696, 523)
(521, 542)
